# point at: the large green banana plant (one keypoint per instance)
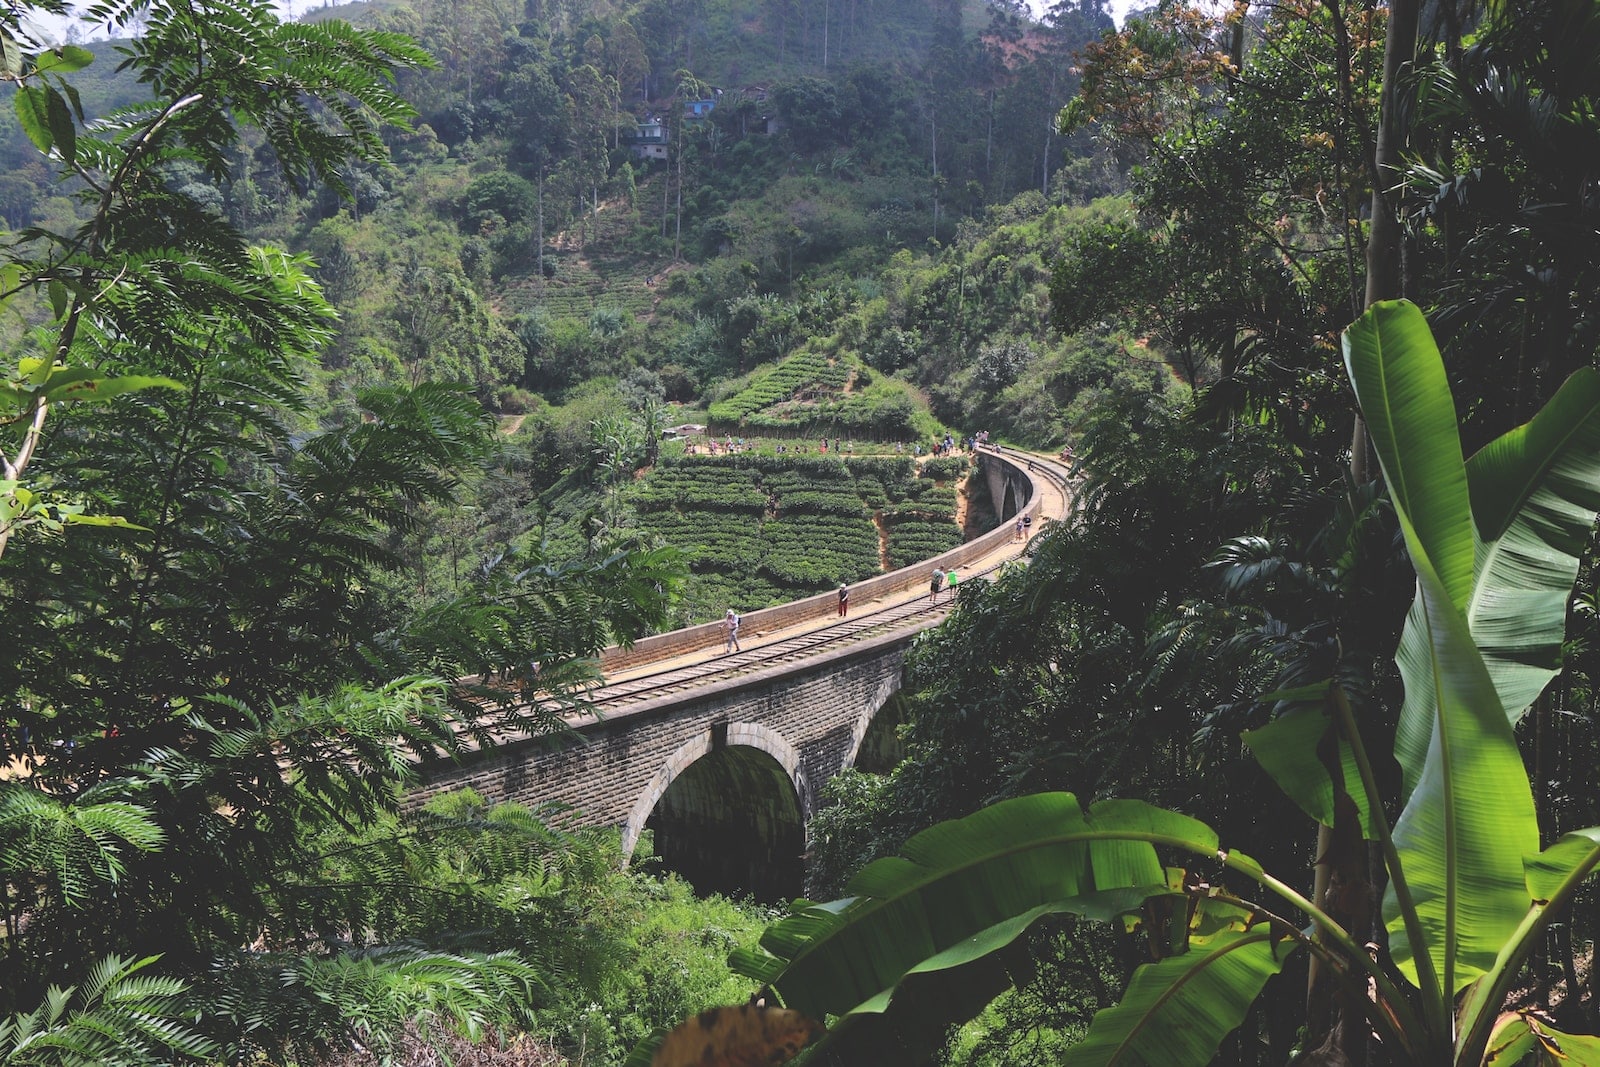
(925, 938)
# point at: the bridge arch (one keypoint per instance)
(873, 746)
(729, 810)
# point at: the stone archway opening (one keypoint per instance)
(881, 747)
(731, 823)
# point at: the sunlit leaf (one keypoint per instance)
(32, 105)
(91, 389)
(1518, 1034)
(63, 60)
(1574, 856)
(1470, 818)
(1178, 1010)
(968, 888)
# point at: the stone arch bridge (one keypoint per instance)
(722, 756)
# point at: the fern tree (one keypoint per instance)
(197, 696)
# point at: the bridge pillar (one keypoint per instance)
(1008, 488)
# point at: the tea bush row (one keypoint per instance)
(890, 417)
(912, 540)
(816, 551)
(707, 595)
(820, 503)
(710, 539)
(946, 468)
(699, 489)
(808, 368)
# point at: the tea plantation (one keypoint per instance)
(810, 392)
(762, 529)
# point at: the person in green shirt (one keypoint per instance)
(951, 580)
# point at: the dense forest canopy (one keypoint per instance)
(337, 358)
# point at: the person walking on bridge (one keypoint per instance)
(844, 600)
(730, 626)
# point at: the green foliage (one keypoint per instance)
(915, 940)
(148, 258)
(118, 1016)
(208, 705)
(914, 539)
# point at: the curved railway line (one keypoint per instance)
(648, 682)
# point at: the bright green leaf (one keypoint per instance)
(33, 112)
(102, 520)
(95, 389)
(1516, 1035)
(34, 370)
(1177, 1011)
(1405, 397)
(1287, 749)
(1535, 492)
(1574, 856)
(964, 889)
(63, 60)
(1469, 821)
(1470, 818)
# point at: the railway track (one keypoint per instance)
(618, 697)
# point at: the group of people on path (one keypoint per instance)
(941, 580)
(730, 621)
(1024, 528)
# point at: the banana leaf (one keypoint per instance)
(1469, 820)
(1534, 494)
(1518, 1034)
(1574, 857)
(964, 890)
(1287, 749)
(1178, 1010)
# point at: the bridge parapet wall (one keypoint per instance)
(824, 605)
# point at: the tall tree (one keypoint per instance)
(139, 236)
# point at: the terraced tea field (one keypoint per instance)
(760, 530)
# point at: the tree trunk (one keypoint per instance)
(1384, 244)
(1384, 248)
(826, 4)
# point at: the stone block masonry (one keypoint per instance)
(810, 720)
